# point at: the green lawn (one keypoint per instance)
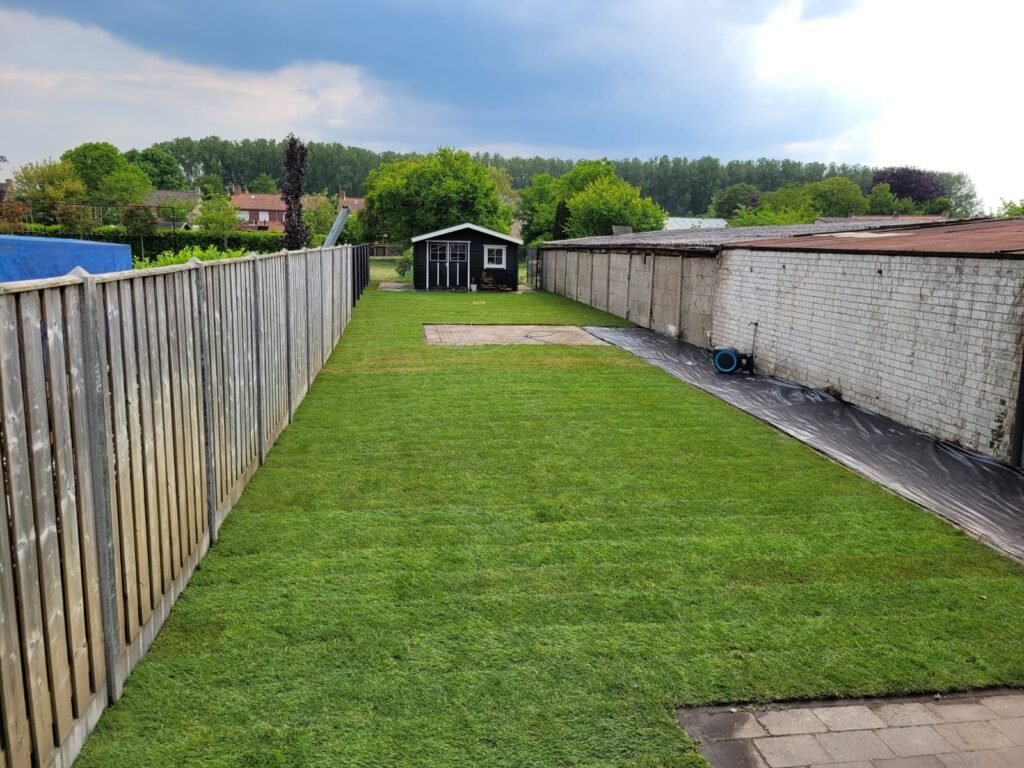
(383, 270)
(528, 556)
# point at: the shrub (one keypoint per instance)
(186, 254)
(404, 264)
(169, 239)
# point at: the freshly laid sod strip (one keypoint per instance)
(529, 556)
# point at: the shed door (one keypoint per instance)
(447, 264)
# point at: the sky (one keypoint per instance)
(884, 82)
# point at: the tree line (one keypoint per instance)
(682, 186)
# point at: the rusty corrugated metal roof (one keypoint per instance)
(977, 237)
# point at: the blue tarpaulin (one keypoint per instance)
(32, 258)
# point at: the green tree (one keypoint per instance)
(44, 185)
(607, 202)
(1010, 208)
(75, 219)
(93, 161)
(218, 217)
(881, 201)
(210, 185)
(318, 213)
(725, 202)
(125, 185)
(537, 204)
(408, 197)
(263, 184)
(837, 196)
(160, 166)
(763, 216)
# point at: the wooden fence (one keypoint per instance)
(136, 406)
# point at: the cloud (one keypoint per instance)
(91, 86)
(934, 82)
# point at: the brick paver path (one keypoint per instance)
(977, 731)
(508, 334)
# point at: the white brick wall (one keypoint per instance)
(934, 343)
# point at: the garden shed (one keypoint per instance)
(460, 256)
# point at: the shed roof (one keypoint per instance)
(457, 227)
(707, 239)
(973, 237)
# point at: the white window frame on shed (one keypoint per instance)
(487, 256)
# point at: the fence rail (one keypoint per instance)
(136, 406)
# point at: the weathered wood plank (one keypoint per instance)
(183, 431)
(195, 392)
(173, 377)
(154, 333)
(16, 448)
(150, 511)
(13, 706)
(47, 534)
(121, 478)
(133, 406)
(67, 499)
(216, 322)
(164, 383)
(76, 366)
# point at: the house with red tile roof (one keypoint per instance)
(257, 211)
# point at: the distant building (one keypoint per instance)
(354, 204)
(169, 204)
(683, 222)
(255, 211)
(6, 189)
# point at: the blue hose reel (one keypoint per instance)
(728, 360)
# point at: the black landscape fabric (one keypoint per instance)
(981, 495)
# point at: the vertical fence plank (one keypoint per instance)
(23, 531)
(47, 538)
(20, 632)
(84, 480)
(155, 333)
(67, 498)
(124, 525)
(170, 473)
(129, 345)
(149, 510)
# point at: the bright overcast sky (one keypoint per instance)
(929, 83)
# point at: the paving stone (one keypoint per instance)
(960, 712)
(1010, 705)
(975, 735)
(906, 713)
(792, 751)
(788, 722)
(987, 759)
(854, 718)
(1013, 755)
(1013, 729)
(854, 745)
(922, 761)
(722, 726)
(915, 740)
(859, 764)
(733, 754)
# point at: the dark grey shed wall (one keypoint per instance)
(508, 277)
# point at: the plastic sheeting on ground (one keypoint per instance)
(981, 495)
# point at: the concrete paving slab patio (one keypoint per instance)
(985, 730)
(469, 335)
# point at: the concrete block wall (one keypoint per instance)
(932, 342)
(667, 294)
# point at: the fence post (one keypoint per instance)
(257, 312)
(305, 285)
(204, 368)
(289, 354)
(94, 333)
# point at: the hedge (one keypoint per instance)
(166, 239)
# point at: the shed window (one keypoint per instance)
(441, 250)
(494, 256)
(438, 251)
